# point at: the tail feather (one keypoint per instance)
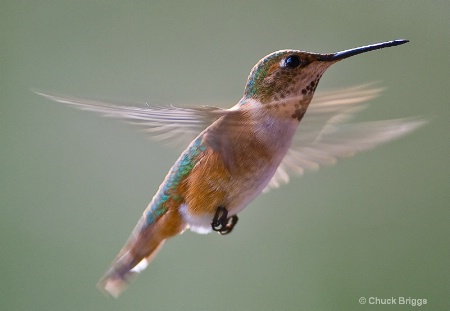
(124, 270)
(141, 247)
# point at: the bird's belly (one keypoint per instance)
(196, 223)
(242, 191)
(231, 175)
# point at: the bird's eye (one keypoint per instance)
(292, 61)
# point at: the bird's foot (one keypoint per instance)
(222, 223)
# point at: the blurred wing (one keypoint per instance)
(323, 135)
(176, 125)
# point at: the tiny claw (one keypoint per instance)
(220, 219)
(221, 223)
(231, 222)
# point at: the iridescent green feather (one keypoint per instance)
(178, 172)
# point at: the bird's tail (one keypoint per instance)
(141, 247)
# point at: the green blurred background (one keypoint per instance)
(72, 184)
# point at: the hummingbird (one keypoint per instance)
(237, 153)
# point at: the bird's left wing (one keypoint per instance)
(324, 134)
(171, 124)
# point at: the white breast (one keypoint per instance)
(274, 133)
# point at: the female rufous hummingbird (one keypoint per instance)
(239, 152)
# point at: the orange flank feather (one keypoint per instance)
(206, 186)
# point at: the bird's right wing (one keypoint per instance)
(325, 135)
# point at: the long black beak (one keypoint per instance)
(333, 57)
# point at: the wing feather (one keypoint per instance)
(171, 124)
(324, 135)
